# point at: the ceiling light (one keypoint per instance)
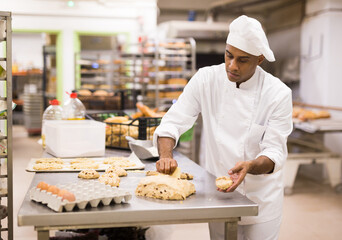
(71, 3)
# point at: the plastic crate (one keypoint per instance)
(140, 128)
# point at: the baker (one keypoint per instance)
(247, 117)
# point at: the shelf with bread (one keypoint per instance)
(173, 66)
(96, 73)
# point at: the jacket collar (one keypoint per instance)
(252, 82)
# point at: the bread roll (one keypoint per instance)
(116, 119)
(101, 93)
(117, 170)
(84, 92)
(148, 112)
(224, 182)
(178, 81)
(323, 114)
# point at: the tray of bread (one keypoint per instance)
(78, 195)
(131, 162)
(310, 120)
(300, 114)
(320, 125)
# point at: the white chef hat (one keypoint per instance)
(246, 34)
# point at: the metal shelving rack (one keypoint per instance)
(154, 63)
(173, 58)
(7, 82)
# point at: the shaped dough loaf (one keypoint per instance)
(165, 187)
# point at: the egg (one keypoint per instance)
(61, 192)
(53, 189)
(43, 185)
(69, 196)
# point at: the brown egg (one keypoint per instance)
(53, 189)
(61, 192)
(69, 196)
(43, 186)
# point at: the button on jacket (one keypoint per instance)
(239, 124)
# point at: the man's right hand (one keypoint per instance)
(166, 165)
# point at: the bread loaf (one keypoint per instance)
(165, 187)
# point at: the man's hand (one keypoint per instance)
(237, 174)
(166, 165)
(261, 165)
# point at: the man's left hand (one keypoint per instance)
(237, 174)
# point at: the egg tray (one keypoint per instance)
(90, 192)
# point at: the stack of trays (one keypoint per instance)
(86, 192)
(33, 110)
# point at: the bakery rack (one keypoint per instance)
(6, 211)
(152, 62)
(174, 59)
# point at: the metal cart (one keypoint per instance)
(306, 147)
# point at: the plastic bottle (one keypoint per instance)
(73, 109)
(52, 112)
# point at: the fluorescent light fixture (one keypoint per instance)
(71, 3)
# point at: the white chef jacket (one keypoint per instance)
(239, 124)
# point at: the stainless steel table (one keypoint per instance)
(204, 206)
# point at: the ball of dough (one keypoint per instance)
(88, 174)
(224, 182)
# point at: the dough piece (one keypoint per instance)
(84, 165)
(122, 162)
(111, 179)
(47, 166)
(152, 173)
(118, 170)
(89, 174)
(50, 160)
(186, 176)
(224, 182)
(81, 160)
(110, 160)
(165, 187)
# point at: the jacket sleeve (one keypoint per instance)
(278, 128)
(183, 114)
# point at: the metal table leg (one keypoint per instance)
(43, 234)
(230, 230)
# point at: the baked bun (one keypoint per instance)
(84, 92)
(224, 182)
(323, 114)
(100, 93)
(116, 120)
